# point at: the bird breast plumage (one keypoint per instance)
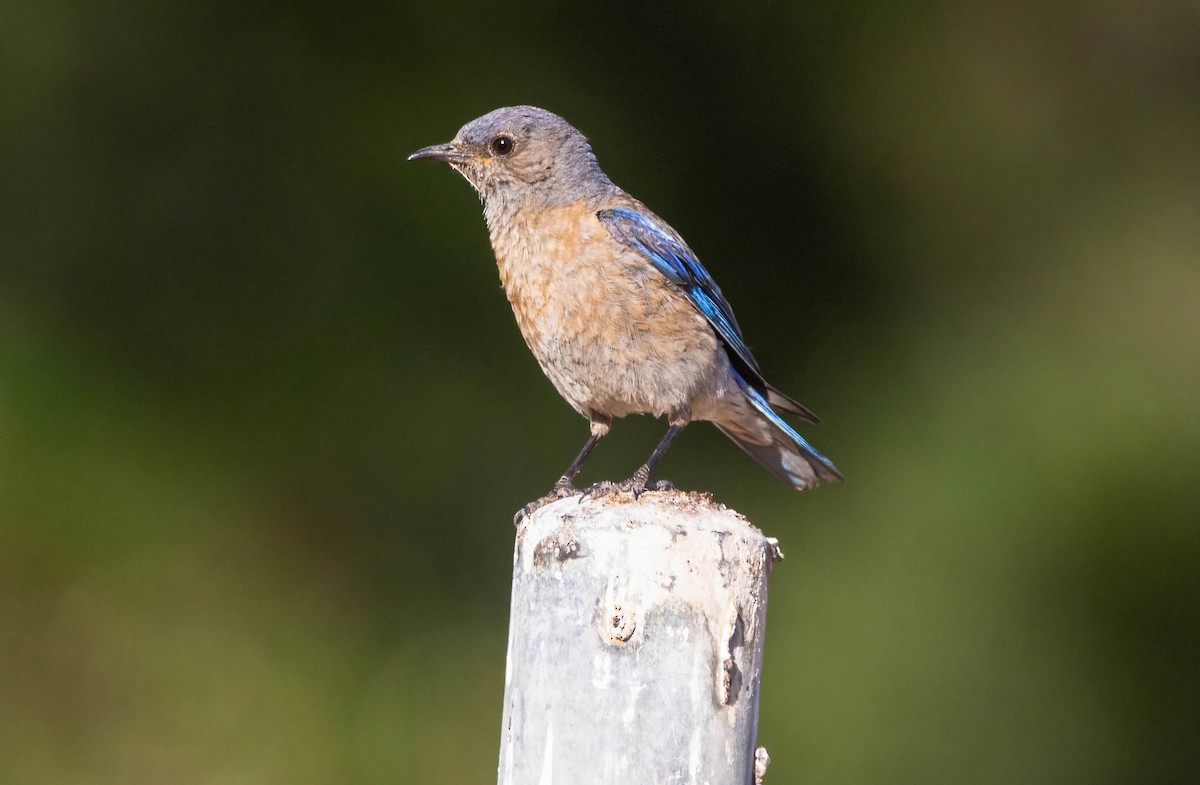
(611, 333)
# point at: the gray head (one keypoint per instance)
(522, 154)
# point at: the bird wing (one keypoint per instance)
(668, 253)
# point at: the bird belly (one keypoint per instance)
(610, 332)
(615, 367)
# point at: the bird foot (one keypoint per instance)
(601, 489)
(638, 485)
(635, 485)
(561, 490)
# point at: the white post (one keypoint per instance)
(635, 644)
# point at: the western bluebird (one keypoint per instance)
(616, 308)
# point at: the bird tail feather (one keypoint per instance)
(784, 402)
(767, 438)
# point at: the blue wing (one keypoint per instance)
(670, 256)
(667, 252)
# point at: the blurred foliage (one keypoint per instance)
(265, 415)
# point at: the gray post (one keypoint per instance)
(635, 644)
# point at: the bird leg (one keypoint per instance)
(564, 487)
(638, 483)
(564, 482)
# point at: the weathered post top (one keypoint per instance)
(635, 643)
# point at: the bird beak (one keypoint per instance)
(440, 152)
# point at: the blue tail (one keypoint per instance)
(785, 453)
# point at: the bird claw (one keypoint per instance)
(561, 490)
(601, 489)
(635, 486)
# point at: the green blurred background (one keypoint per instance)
(265, 414)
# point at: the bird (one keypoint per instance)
(616, 308)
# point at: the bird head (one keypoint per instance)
(521, 153)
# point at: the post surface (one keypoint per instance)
(635, 643)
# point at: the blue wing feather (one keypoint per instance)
(667, 252)
(671, 256)
(820, 464)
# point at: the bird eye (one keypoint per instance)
(502, 145)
